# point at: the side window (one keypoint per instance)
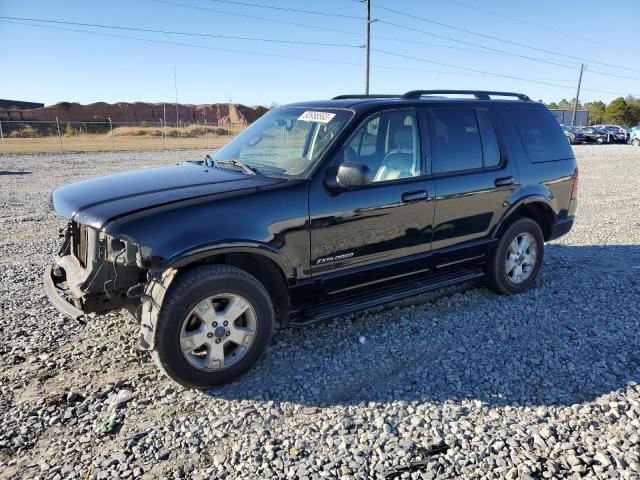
(387, 143)
(370, 135)
(455, 140)
(364, 141)
(540, 134)
(490, 146)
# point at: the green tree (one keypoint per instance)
(568, 104)
(68, 130)
(553, 106)
(616, 111)
(633, 111)
(596, 112)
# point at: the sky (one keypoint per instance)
(50, 65)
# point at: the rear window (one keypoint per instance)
(541, 135)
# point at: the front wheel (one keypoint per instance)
(516, 260)
(599, 140)
(214, 324)
(636, 142)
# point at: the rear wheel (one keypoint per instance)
(516, 260)
(636, 142)
(214, 324)
(599, 140)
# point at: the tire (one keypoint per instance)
(496, 276)
(636, 142)
(222, 285)
(599, 140)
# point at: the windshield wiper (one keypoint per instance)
(236, 163)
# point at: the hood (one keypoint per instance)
(100, 200)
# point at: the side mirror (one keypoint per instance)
(352, 175)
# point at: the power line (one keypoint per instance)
(166, 42)
(504, 52)
(512, 77)
(501, 39)
(171, 32)
(207, 47)
(474, 72)
(609, 74)
(542, 27)
(297, 42)
(494, 50)
(435, 45)
(189, 45)
(272, 7)
(255, 17)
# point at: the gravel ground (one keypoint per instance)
(541, 385)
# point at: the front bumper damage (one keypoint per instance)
(94, 273)
(58, 295)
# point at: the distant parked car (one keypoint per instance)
(634, 137)
(620, 133)
(573, 135)
(596, 135)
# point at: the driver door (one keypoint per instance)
(382, 231)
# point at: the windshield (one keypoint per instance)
(286, 141)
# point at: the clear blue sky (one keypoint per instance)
(46, 65)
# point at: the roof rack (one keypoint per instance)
(345, 97)
(479, 94)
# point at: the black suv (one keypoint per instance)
(317, 209)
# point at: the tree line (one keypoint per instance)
(621, 111)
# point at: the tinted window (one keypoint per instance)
(541, 135)
(388, 144)
(490, 146)
(455, 140)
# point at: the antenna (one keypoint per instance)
(367, 4)
(175, 85)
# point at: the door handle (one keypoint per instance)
(504, 181)
(415, 196)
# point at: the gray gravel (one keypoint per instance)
(540, 385)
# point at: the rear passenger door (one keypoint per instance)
(474, 178)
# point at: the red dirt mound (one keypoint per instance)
(213, 113)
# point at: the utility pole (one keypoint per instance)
(367, 4)
(575, 103)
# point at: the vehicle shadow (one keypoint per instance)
(572, 338)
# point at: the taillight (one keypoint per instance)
(574, 189)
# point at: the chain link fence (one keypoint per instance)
(18, 136)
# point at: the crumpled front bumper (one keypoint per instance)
(58, 295)
(93, 273)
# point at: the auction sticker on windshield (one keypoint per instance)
(321, 117)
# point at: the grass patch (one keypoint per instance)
(191, 131)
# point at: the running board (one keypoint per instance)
(380, 297)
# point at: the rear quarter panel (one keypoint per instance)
(551, 181)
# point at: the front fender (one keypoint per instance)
(205, 251)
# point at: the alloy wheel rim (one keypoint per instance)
(521, 258)
(218, 332)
